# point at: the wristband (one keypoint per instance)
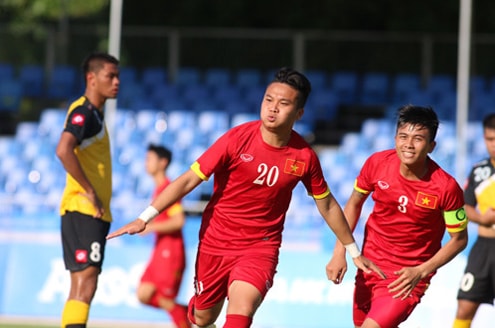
(353, 250)
(149, 213)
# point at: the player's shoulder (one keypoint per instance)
(482, 163)
(81, 105)
(383, 155)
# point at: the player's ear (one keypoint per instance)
(432, 146)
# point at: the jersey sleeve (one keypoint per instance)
(469, 195)
(315, 182)
(213, 158)
(363, 182)
(77, 121)
(454, 214)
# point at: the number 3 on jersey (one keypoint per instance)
(403, 200)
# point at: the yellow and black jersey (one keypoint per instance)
(86, 123)
(480, 188)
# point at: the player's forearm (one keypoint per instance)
(73, 168)
(454, 246)
(176, 190)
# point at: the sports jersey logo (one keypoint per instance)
(81, 256)
(246, 157)
(294, 167)
(78, 119)
(426, 201)
(383, 185)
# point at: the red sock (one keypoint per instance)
(237, 321)
(179, 316)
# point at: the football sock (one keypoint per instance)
(459, 323)
(237, 321)
(75, 314)
(179, 316)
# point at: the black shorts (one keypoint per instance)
(478, 282)
(83, 240)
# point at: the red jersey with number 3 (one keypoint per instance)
(406, 225)
(253, 188)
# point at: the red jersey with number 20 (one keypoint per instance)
(407, 224)
(253, 188)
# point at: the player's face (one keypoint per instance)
(412, 143)
(106, 81)
(152, 163)
(279, 106)
(489, 137)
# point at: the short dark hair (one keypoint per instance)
(161, 151)
(95, 61)
(489, 121)
(297, 81)
(419, 115)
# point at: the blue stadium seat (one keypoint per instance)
(188, 76)
(439, 85)
(162, 93)
(240, 118)
(191, 94)
(247, 77)
(324, 103)
(63, 82)
(345, 86)
(217, 77)
(317, 78)
(129, 93)
(32, 78)
(181, 119)
(51, 123)
(151, 76)
(403, 85)
(213, 121)
(128, 75)
(6, 71)
(10, 95)
(375, 88)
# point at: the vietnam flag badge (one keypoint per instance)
(426, 201)
(294, 167)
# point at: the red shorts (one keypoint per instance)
(165, 270)
(215, 273)
(372, 299)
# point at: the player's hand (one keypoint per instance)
(130, 228)
(368, 266)
(407, 279)
(95, 201)
(336, 269)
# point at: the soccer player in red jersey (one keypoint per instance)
(161, 280)
(414, 202)
(256, 166)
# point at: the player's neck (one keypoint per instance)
(416, 172)
(94, 98)
(159, 178)
(275, 138)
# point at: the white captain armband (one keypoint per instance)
(353, 250)
(148, 214)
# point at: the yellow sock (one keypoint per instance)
(459, 323)
(75, 313)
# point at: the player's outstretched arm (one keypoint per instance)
(130, 228)
(171, 194)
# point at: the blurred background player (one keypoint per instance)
(478, 282)
(162, 277)
(84, 150)
(256, 166)
(415, 201)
